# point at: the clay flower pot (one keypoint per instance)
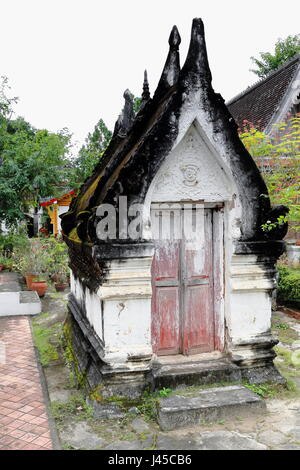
(40, 287)
(29, 278)
(60, 286)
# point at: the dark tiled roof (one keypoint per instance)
(259, 102)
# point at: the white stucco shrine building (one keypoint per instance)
(193, 307)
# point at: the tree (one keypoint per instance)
(94, 147)
(285, 49)
(278, 159)
(137, 102)
(32, 162)
(90, 153)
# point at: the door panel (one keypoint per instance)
(167, 305)
(198, 331)
(165, 298)
(182, 282)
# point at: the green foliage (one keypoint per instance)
(164, 392)
(14, 241)
(268, 226)
(148, 405)
(90, 153)
(32, 161)
(278, 159)
(57, 261)
(41, 256)
(285, 49)
(289, 284)
(282, 326)
(263, 390)
(32, 257)
(285, 354)
(94, 147)
(5, 103)
(76, 408)
(70, 357)
(149, 402)
(47, 351)
(137, 101)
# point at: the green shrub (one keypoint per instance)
(289, 284)
(14, 241)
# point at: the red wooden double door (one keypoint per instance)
(182, 283)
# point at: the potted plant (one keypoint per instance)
(40, 285)
(32, 262)
(58, 263)
(62, 282)
(2, 263)
(5, 263)
(26, 264)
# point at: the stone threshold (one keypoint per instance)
(209, 405)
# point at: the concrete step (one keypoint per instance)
(19, 303)
(209, 405)
(15, 301)
(195, 373)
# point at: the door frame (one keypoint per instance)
(218, 266)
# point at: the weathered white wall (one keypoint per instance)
(248, 312)
(126, 297)
(94, 312)
(90, 302)
(123, 306)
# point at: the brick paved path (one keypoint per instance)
(23, 419)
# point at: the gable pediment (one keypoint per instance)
(191, 172)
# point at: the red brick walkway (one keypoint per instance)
(23, 418)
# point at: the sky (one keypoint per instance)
(69, 61)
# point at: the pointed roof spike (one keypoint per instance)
(146, 92)
(174, 39)
(170, 73)
(195, 70)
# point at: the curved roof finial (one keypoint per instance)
(196, 71)
(170, 73)
(126, 118)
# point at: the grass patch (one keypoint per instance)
(47, 351)
(44, 315)
(287, 335)
(264, 390)
(285, 354)
(76, 408)
(56, 295)
(146, 404)
(282, 326)
(164, 392)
